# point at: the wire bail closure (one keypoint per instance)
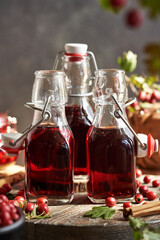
(46, 115)
(118, 113)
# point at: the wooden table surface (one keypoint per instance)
(68, 222)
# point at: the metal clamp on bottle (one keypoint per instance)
(14, 141)
(147, 145)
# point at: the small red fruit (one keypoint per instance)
(7, 186)
(3, 190)
(155, 183)
(42, 208)
(20, 200)
(143, 190)
(147, 179)
(42, 200)
(138, 183)
(29, 207)
(14, 202)
(134, 18)
(134, 104)
(118, 3)
(138, 172)
(142, 96)
(156, 94)
(110, 201)
(139, 198)
(151, 195)
(21, 192)
(4, 198)
(127, 204)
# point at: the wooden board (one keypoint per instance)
(68, 223)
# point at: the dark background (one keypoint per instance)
(33, 31)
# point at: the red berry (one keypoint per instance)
(139, 198)
(110, 201)
(118, 3)
(142, 96)
(156, 94)
(3, 190)
(138, 183)
(4, 207)
(15, 216)
(21, 192)
(155, 183)
(127, 204)
(147, 179)
(148, 97)
(29, 207)
(151, 195)
(143, 190)
(7, 186)
(42, 200)
(20, 200)
(4, 198)
(14, 202)
(134, 104)
(42, 208)
(134, 18)
(153, 100)
(5, 216)
(138, 172)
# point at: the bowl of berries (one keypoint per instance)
(11, 220)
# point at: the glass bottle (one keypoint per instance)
(79, 108)
(111, 147)
(49, 146)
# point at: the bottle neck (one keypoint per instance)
(58, 117)
(78, 72)
(104, 117)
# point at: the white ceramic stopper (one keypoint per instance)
(76, 48)
(144, 139)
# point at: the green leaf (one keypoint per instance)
(153, 7)
(106, 5)
(136, 223)
(152, 59)
(104, 212)
(128, 61)
(137, 235)
(150, 235)
(34, 213)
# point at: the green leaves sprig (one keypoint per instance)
(103, 212)
(141, 230)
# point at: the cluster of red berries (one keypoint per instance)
(134, 17)
(8, 212)
(143, 189)
(149, 97)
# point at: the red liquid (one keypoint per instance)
(111, 160)
(49, 159)
(79, 123)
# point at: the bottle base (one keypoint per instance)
(52, 200)
(119, 200)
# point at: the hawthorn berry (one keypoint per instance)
(139, 198)
(118, 3)
(151, 195)
(42, 200)
(21, 192)
(134, 18)
(3, 190)
(7, 186)
(155, 183)
(20, 200)
(138, 172)
(110, 201)
(138, 183)
(147, 179)
(4, 198)
(29, 207)
(127, 204)
(143, 190)
(42, 208)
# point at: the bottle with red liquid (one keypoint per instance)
(79, 109)
(111, 143)
(49, 146)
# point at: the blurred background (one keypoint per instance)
(32, 32)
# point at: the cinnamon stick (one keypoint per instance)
(142, 210)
